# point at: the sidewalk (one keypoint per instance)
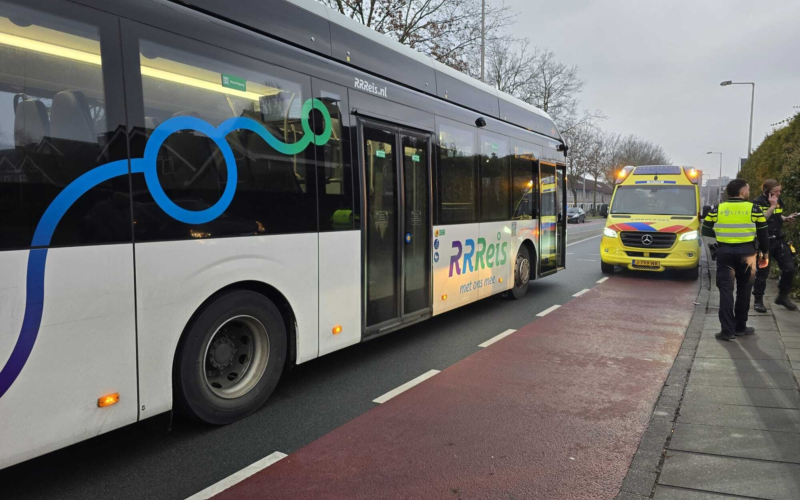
(730, 412)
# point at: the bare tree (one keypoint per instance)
(585, 146)
(632, 150)
(447, 30)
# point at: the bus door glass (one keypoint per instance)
(561, 216)
(548, 236)
(397, 224)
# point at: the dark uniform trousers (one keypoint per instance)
(780, 253)
(735, 264)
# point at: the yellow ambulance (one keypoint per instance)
(653, 222)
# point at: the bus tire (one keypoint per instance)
(230, 358)
(606, 268)
(522, 273)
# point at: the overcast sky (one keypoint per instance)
(654, 67)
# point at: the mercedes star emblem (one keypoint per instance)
(647, 240)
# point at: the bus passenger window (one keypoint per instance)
(457, 174)
(494, 169)
(333, 161)
(53, 129)
(275, 191)
(524, 171)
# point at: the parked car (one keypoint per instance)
(576, 215)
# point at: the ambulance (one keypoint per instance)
(653, 222)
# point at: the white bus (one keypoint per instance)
(196, 195)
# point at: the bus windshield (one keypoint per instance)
(655, 200)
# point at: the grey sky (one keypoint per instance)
(654, 67)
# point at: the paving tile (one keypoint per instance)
(735, 476)
(646, 460)
(791, 344)
(742, 365)
(765, 322)
(669, 493)
(744, 379)
(745, 417)
(624, 495)
(741, 349)
(742, 443)
(742, 396)
(794, 354)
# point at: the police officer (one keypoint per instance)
(772, 206)
(740, 228)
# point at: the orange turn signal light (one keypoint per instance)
(108, 400)
(501, 280)
(444, 297)
(337, 329)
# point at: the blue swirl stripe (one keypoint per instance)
(37, 257)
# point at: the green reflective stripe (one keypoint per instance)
(737, 226)
(778, 211)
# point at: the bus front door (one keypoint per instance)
(397, 226)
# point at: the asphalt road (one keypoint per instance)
(147, 461)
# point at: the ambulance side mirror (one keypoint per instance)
(706, 210)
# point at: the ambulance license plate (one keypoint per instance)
(647, 263)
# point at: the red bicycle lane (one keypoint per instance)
(555, 410)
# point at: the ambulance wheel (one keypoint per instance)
(522, 274)
(606, 268)
(230, 358)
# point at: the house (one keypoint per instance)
(576, 197)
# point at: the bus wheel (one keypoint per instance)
(606, 268)
(230, 358)
(522, 273)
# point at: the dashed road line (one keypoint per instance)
(403, 388)
(238, 477)
(496, 338)
(548, 310)
(603, 280)
(581, 292)
(584, 239)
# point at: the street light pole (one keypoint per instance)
(719, 180)
(483, 41)
(752, 102)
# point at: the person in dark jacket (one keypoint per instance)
(779, 250)
(740, 228)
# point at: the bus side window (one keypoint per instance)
(334, 172)
(55, 126)
(494, 170)
(275, 190)
(457, 174)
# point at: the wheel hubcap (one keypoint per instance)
(523, 271)
(236, 357)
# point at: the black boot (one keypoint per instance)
(725, 336)
(783, 300)
(759, 306)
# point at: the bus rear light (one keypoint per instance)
(444, 297)
(501, 280)
(109, 400)
(337, 329)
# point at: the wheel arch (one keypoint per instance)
(268, 291)
(532, 254)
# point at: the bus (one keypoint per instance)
(654, 221)
(196, 195)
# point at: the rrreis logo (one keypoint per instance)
(487, 255)
(370, 87)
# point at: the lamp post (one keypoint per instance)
(752, 101)
(483, 41)
(719, 180)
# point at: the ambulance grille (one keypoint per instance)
(633, 239)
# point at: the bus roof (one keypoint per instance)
(315, 27)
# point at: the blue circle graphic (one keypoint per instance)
(436, 257)
(436, 244)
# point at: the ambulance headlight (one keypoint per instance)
(690, 236)
(609, 232)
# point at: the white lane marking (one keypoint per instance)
(603, 280)
(238, 477)
(587, 260)
(585, 239)
(548, 310)
(496, 338)
(581, 292)
(403, 388)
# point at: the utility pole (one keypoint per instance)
(727, 83)
(483, 41)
